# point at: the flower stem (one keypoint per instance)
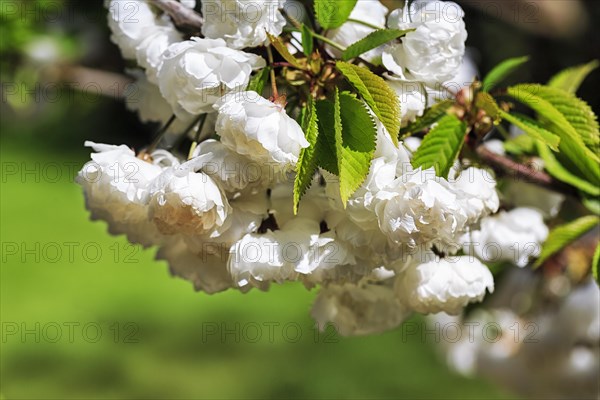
(299, 25)
(503, 132)
(367, 24)
(201, 119)
(159, 135)
(272, 73)
(424, 90)
(329, 41)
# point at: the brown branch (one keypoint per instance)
(184, 18)
(89, 80)
(504, 165)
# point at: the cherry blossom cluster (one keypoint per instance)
(223, 215)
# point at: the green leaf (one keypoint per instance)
(283, 50)
(592, 204)
(522, 144)
(532, 128)
(441, 146)
(595, 262)
(258, 81)
(380, 97)
(571, 79)
(557, 170)
(307, 40)
(371, 41)
(355, 133)
(307, 161)
(430, 117)
(326, 150)
(501, 71)
(488, 104)
(333, 13)
(568, 117)
(577, 112)
(562, 235)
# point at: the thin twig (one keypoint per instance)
(297, 24)
(504, 165)
(280, 64)
(184, 18)
(89, 80)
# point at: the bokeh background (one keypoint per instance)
(85, 315)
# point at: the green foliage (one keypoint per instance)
(344, 144)
(326, 148)
(377, 94)
(488, 104)
(441, 145)
(258, 81)
(562, 235)
(283, 50)
(522, 144)
(557, 170)
(561, 113)
(355, 134)
(371, 41)
(430, 117)
(592, 203)
(571, 79)
(577, 112)
(307, 40)
(307, 161)
(333, 13)
(501, 71)
(532, 128)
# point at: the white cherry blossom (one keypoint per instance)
(434, 51)
(185, 201)
(446, 285)
(116, 188)
(195, 73)
(515, 236)
(372, 12)
(242, 23)
(259, 129)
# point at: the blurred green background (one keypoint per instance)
(85, 315)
